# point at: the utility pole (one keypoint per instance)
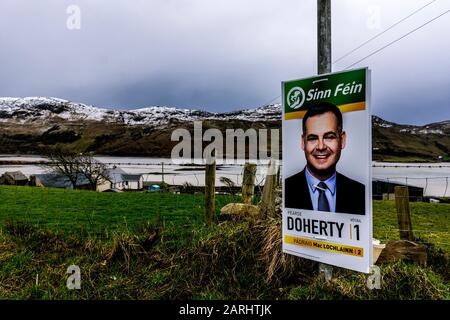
(323, 36)
(324, 66)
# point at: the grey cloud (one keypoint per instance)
(214, 55)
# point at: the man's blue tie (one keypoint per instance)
(323, 204)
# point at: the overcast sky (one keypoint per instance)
(220, 55)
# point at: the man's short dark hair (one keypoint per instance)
(322, 108)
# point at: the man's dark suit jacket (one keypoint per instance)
(350, 194)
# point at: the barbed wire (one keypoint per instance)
(414, 230)
(236, 162)
(430, 166)
(412, 178)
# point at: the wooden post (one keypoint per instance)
(248, 183)
(210, 190)
(267, 203)
(323, 36)
(403, 214)
(277, 180)
(324, 66)
(162, 171)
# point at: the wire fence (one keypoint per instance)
(180, 203)
(420, 188)
(426, 237)
(101, 214)
(433, 179)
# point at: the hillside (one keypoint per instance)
(395, 142)
(29, 124)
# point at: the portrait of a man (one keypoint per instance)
(319, 186)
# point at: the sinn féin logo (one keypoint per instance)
(295, 98)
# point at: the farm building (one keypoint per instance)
(133, 181)
(115, 181)
(55, 180)
(384, 190)
(120, 180)
(14, 178)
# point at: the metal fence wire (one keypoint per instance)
(180, 202)
(100, 214)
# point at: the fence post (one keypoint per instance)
(403, 213)
(210, 190)
(248, 183)
(267, 203)
(162, 171)
(277, 181)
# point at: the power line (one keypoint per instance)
(390, 43)
(374, 37)
(379, 34)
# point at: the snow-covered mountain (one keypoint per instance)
(378, 122)
(32, 109)
(30, 125)
(43, 109)
(439, 128)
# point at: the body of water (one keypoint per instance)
(152, 169)
(433, 177)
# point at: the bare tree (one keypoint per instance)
(76, 167)
(64, 163)
(93, 170)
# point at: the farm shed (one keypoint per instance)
(385, 190)
(14, 178)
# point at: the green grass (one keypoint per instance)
(222, 261)
(86, 212)
(400, 281)
(41, 234)
(93, 213)
(430, 221)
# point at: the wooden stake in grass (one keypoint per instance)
(403, 213)
(210, 189)
(248, 183)
(267, 203)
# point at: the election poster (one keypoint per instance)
(327, 207)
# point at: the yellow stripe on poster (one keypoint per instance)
(294, 115)
(325, 246)
(357, 106)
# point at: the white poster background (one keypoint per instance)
(355, 163)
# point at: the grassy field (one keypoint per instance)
(430, 221)
(125, 252)
(93, 213)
